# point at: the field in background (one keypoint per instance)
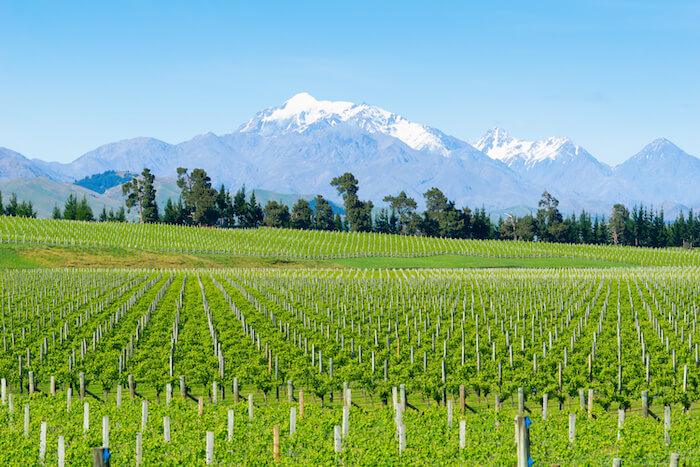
(316, 245)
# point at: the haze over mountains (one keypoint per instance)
(301, 145)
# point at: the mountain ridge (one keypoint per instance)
(299, 146)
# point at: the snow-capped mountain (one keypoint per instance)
(299, 146)
(303, 112)
(556, 164)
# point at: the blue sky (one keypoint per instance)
(612, 75)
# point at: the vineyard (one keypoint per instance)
(287, 243)
(241, 366)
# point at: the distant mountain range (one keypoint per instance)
(301, 145)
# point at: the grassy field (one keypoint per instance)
(18, 256)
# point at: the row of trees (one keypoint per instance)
(16, 207)
(80, 210)
(200, 204)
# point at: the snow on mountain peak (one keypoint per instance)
(499, 145)
(303, 111)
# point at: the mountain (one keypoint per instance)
(102, 182)
(556, 163)
(14, 165)
(666, 172)
(303, 113)
(299, 146)
(45, 193)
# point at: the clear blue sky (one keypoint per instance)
(612, 75)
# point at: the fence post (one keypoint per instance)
(521, 401)
(292, 421)
(449, 413)
(81, 377)
(301, 403)
(572, 427)
(545, 403)
(210, 447)
(144, 414)
(620, 422)
(346, 420)
(61, 451)
(276, 443)
(86, 417)
(402, 438)
(26, 421)
(139, 448)
(337, 439)
(667, 424)
(42, 443)
(645, 403)
(230, 425)
(523, 446)
(105, 432)
(166, 429)
(675, 459)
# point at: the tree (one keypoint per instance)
(525, 228)
(301, 215)
(198, 196)
(276, 214)
(56, 212)
(120, 216)
(357, 213)
(619, 216)
(140, 191)
(70, 207)
(386, 223)
(224, 204)
(171, 213)
(254, 212)
(404, 206)
(481, 225)
(150, 207)
(103, 214)
(323, 214)
(550, 225)
(83, 211)
(442, 218)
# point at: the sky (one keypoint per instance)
(611, 75)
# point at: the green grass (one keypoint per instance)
(456, 261)
(19, 256)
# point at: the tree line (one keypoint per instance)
(16, 207)
(201, 204)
